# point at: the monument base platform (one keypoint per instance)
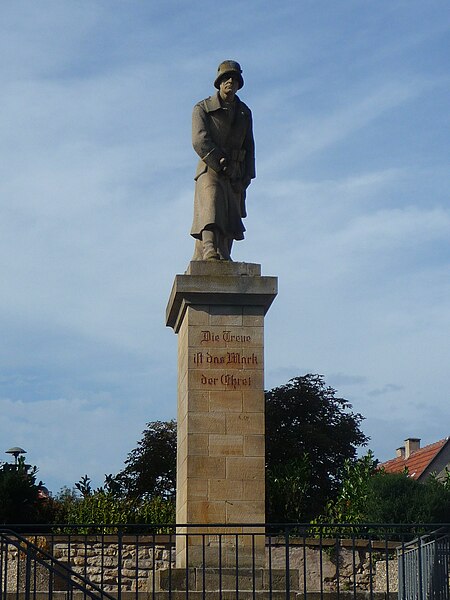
(208, 579)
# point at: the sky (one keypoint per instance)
(350, 210)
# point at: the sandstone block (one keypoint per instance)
(205, 512)
(206, 423)
(245, 423)
(253, 489)
(226, 315)
(253, 401)
(225, 379)
(229, 402)
(205, 467)
(246, 512)
(199, 401)
(215, 336)
(197, 444)
(223, 489)
(232, 358)
(245, 468)
(198, 315)
(198, 488)
(253, 316)
(226, 445)
(254, 445)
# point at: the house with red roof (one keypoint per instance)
(419, 462)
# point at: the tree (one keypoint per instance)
(310, 433)
(287, 489)
(370, 495)
(396, 498)
(150, 469)
(350, 504)
(306, 421)
(20, 500)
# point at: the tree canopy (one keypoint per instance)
(310, 433)
(370, 495)
(20, 500)
(397, 498)
(150, 469)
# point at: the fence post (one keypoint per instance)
(288, 583)
(420, 567)
(2, 549)
(27, 573)
(119, 562)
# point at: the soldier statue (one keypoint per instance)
(222, 136)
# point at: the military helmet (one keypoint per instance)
(227, 67)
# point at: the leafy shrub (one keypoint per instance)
(103, 506)
(396, 498)
(20, 502)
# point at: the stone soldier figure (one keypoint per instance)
(222, 136)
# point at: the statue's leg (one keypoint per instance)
(198, 250)
(229, 245)
(224, 247)
(209, 244)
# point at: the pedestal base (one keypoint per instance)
(223, 580)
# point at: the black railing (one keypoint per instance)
(424, 567)
(27, 569)
(227, 562)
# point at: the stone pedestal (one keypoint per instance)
(224, 580)
(217, 309)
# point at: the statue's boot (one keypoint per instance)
(224, 247)
(198, 250)
(209, 247)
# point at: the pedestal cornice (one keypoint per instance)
(219, 283)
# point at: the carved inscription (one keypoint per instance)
(226, 336)
(228, 380)
(227, 354)
(229, 358)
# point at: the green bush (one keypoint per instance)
(19, 495)
(287, 488)
(368, 495)
(103, 507)
(396, 498)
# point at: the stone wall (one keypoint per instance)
(321, 568)
(318, 564)
(96, 558)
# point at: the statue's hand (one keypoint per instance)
(223, 164)
(227, 169)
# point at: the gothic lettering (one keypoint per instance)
(227, 336)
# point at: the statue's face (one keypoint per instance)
(228, 87)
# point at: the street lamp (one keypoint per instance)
(15, 452)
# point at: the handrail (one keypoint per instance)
(434, 536)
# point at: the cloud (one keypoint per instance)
(359, 109)
(89, 430)
(338, 379)
(350, 210)
(388, 388)
(282, 374)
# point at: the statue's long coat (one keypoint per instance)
(220, 196)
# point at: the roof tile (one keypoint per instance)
(417, 462)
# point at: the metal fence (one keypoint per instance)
(27, 571)
(220, 562)
(424, 567)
